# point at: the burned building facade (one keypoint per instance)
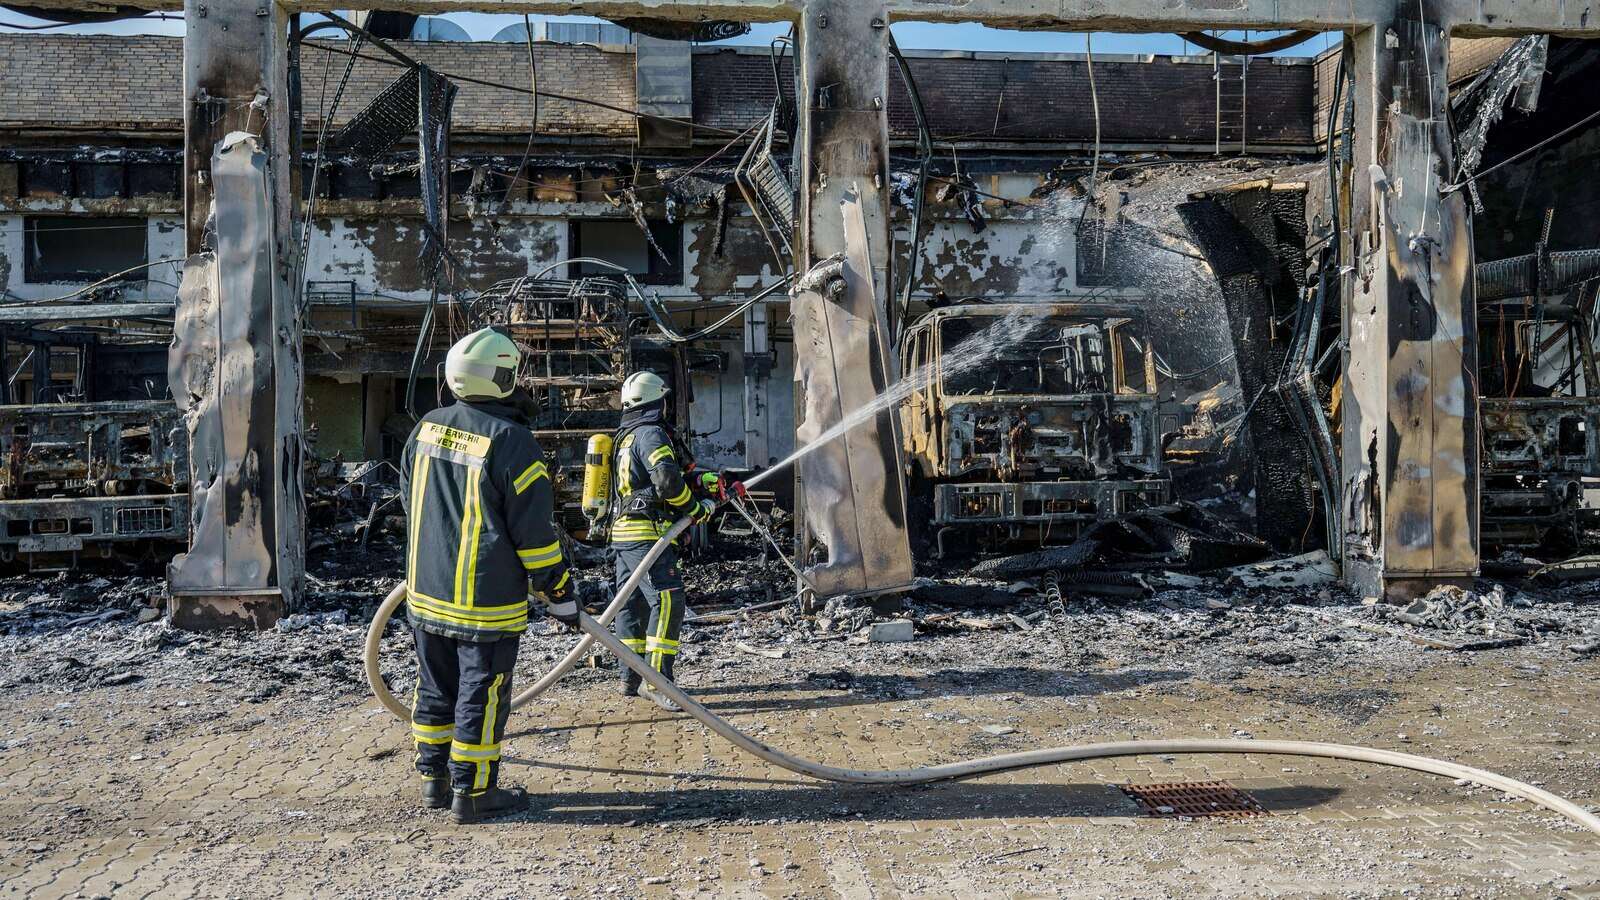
(91, 209)
(90, 187)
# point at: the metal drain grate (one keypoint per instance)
(1194, 799)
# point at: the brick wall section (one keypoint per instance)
(571, 69)
(83, 79)
(1161, 101)
(137, 82)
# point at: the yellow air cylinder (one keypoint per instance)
(597, 477)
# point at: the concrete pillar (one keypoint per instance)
(1410, 432)
(237, 350)
(853, 490)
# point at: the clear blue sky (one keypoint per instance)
(911, 35)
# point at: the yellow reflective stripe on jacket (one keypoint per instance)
(540, 557)
(638, 530)
(419, 493)
(471, 526)
(478, 616)
(660, 454)
(682, 498)
(533, 473)
(453, 439)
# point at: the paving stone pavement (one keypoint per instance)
(111, 795)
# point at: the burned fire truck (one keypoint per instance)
(1030, 420)
(94, 459)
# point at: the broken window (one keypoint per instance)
(64, 249)
(1131, 359)
(1099, 250)
(1055, 357)
(653, 259)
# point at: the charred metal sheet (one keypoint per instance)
(435, 96)
(1536, 274)
(381, 124)
(1520, 72)
(854, 495)
(664, 91)
(85, 313)
(1254, 240)
(223, 377)
(702, 32)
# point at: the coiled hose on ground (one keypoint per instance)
(597, 630)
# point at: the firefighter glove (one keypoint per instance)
(563, 603)
(701, 513)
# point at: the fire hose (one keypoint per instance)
(596, 629)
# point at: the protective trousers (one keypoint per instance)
(651, 619)
(460, 707)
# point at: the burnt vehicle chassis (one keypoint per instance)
(578, 345)
(96, 466)
(104, 479)
(1003, 452)
(1541, 425)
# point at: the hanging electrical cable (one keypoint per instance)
(925, 148)
(1094, 170)
(533, 123)
(1247, 48)
(302, 268)
(177, 260)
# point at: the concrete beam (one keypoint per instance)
(1470, 18)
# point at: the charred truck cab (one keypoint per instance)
(1051, 426)
(96, 467)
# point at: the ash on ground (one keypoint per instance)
(74, 632)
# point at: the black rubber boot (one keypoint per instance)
(659, 699)
(491, 804)
(436, 791)
(630, 682)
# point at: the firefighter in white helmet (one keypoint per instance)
(481, 543)
(653, 489)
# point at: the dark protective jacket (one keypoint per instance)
(651, 490)
(480, 522)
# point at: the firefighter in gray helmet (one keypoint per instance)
(481, 544)
(652, 491)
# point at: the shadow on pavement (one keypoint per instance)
(969, 801)
(844, 689)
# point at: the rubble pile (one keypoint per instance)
(75, 632)
(1492, 612)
